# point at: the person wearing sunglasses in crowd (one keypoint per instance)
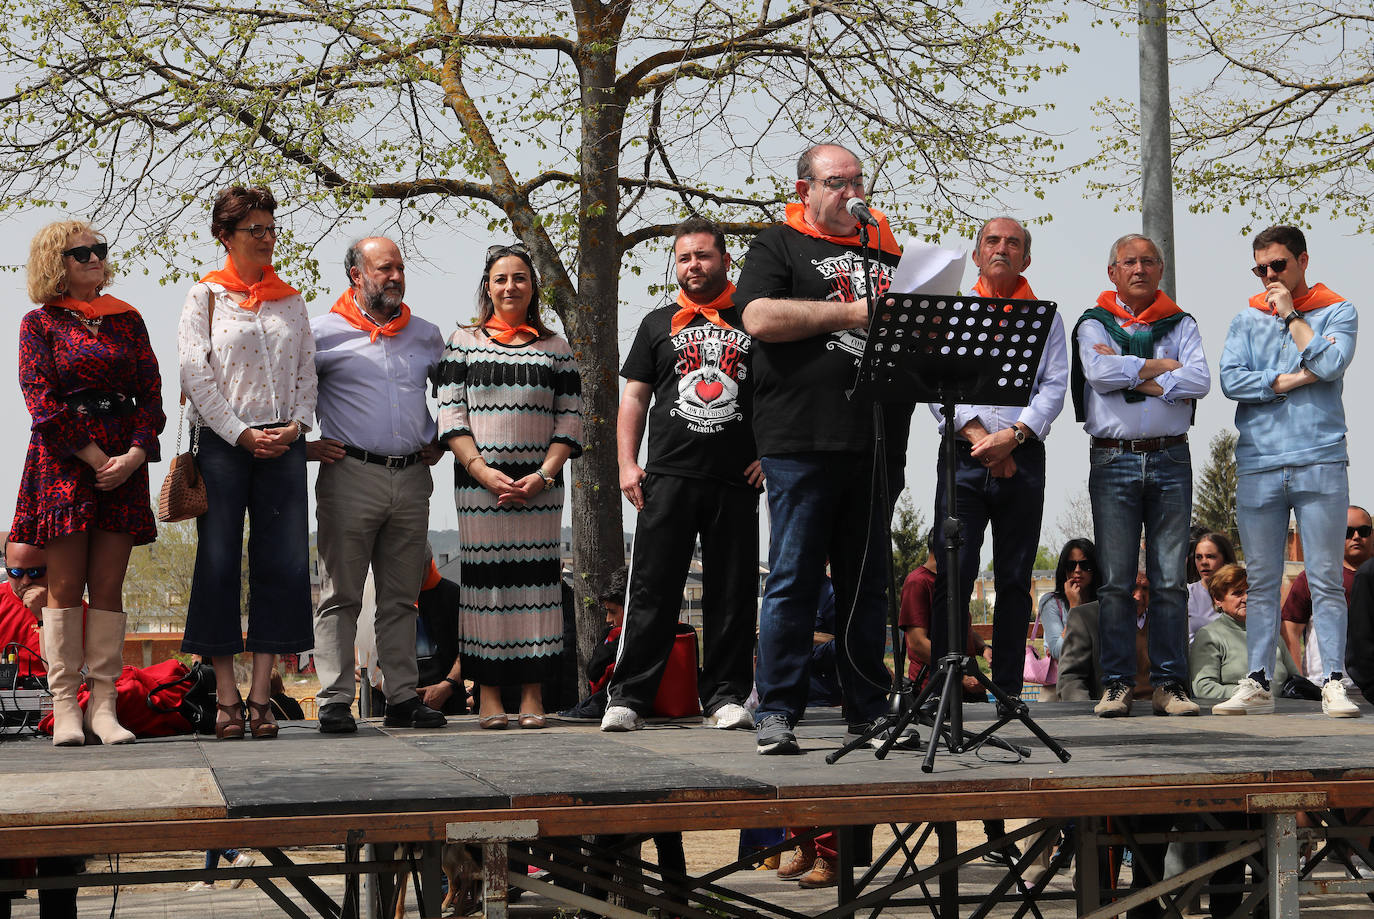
(1075, 583)
(91, 383)
(22, 598)
(248, 370)
(1285, 357)
(1298, 633)
(510, 409)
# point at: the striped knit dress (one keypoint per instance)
(514, 400)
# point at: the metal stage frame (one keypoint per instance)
(1238, 785)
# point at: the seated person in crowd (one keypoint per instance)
(1217, 659)
(1080, 663)
(602, 661)
(284, 706)
(825, 676)
(1210, 551)
(1359, 642)
(22, 598)
(918, 596)
(1297, 608)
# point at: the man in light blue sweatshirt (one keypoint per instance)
(1283, 363)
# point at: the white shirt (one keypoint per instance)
(258, 367)
(1110, 375)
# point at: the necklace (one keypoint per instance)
(92, 324)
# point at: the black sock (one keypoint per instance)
(1258, 677)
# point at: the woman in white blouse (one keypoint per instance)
(248, 370)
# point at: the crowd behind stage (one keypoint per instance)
(741, 389)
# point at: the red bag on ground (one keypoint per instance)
(132, 691)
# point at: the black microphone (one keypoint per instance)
(860, 212)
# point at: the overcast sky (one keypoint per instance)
(1069, 267)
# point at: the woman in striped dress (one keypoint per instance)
(510, 404)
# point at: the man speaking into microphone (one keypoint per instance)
(804, 296)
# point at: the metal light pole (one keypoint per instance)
(1157, 173)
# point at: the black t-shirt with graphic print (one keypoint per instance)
(799, 386)
(699, 423)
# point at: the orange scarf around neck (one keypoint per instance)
(796, 219)
(347, 307)
(1022, 291)
(710, 311)
(104, 305)
(500, 330)
(1162, 307)
(270, 287)
(1317, 296)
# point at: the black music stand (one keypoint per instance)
(949, 350)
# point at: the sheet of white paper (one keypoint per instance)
(926, 268)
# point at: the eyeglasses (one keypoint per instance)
(495, 252)
(32, 574)
(1262, 271)
(1350, 532)
(258, 230)
(1146, 262)
(83, 253)
(1081, 564)
(839, 183)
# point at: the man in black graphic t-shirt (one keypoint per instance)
(803, 293)
(701, 477)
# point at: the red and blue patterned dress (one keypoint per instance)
(61, 357)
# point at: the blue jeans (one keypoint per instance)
(272, 492)
(1014, 507)
(1319, 496)
(1154, 491)
(822, 508)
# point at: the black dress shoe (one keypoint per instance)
(335, 718)
(413, 713)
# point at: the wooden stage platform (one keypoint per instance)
(532, 789)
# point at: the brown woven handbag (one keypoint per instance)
(183, 490)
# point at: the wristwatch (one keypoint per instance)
(1288, 320)
(548, 479)
(1019, 433)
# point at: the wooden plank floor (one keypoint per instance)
(401, 784)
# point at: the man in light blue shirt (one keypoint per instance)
(1000, 469)
(374, 361)
(1138, 367)
(1285, 356)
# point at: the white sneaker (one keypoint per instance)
(1250, 698)
(620, 718)
(243, 861)
(1335, 702)
(729, 716)
(202, 885)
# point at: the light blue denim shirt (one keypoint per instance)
(1305, 425)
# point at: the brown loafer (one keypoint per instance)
(529, 720)
(493, 722)
(233, 728)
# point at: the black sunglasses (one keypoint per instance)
(83, 253)
(32, 574)
(1262, 271)
(259, 230)
(1081, 563)
(495, 252)
(1364, 531)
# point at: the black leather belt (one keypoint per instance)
(381, 459)
(1145, 445)
(95, 402)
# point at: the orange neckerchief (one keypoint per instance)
(1317, 296)
(711, 311)
(347, 307)
(432, 578)
(270, 287)
(500, 330)
(104, 305)
(1022, 291)
(1162, 307)
(796, 219)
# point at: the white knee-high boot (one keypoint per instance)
(63, 630)
(104, 661)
